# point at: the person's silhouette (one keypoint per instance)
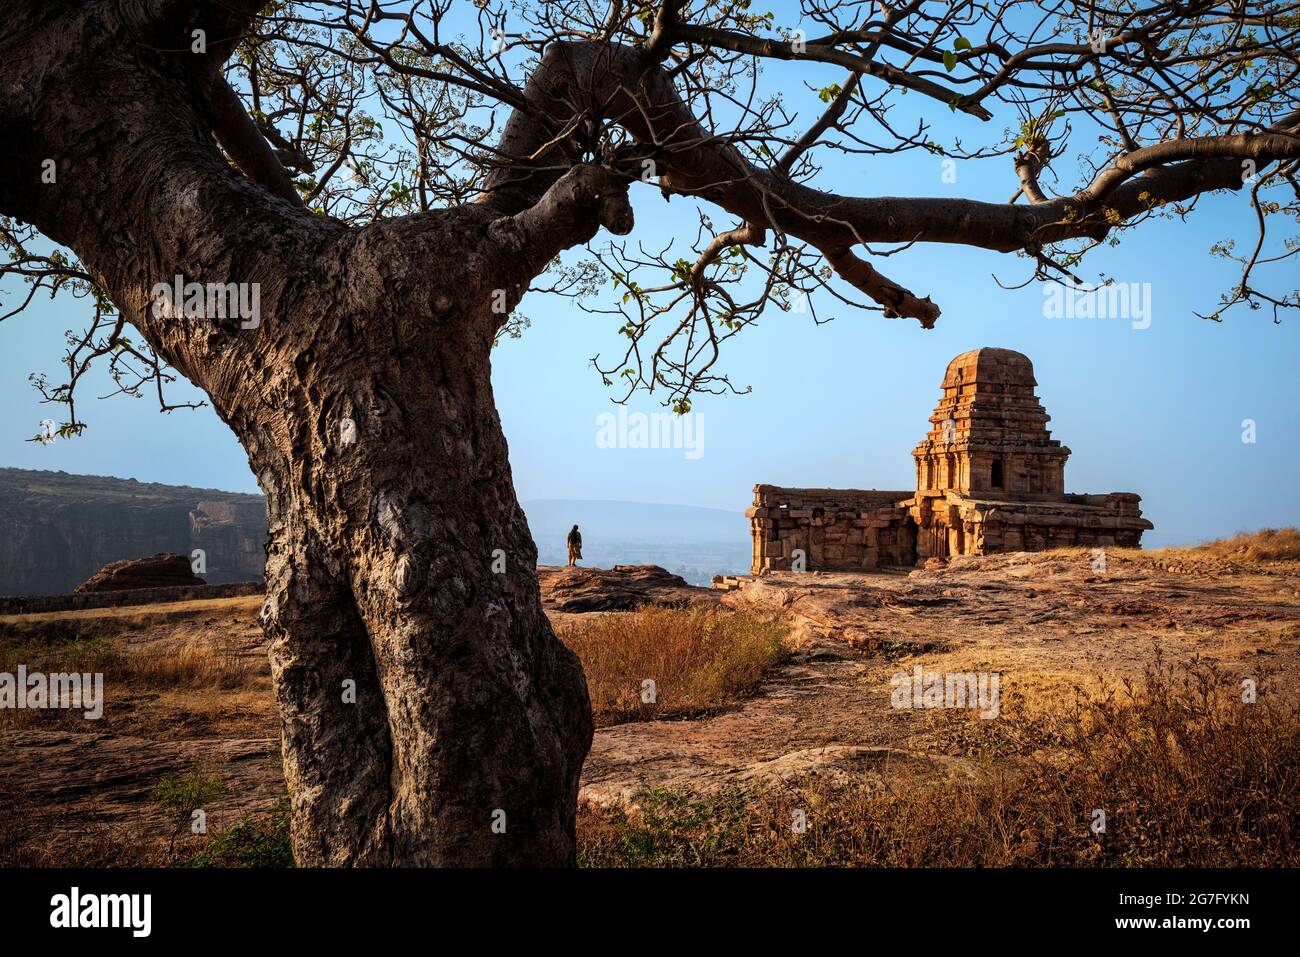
(575, 545)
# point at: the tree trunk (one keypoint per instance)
(430, 715)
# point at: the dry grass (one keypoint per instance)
(82, 654)
(1187, 774)
(179, 668)
(214, 665)
(209, 665)
(30, 837)
(698, 658)
(55, 626)
(1266, 545)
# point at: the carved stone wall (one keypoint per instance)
(835, 529)
(956, 525)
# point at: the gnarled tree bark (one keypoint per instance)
(430, 715)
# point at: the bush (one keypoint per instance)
(256, 841)
(181, 795)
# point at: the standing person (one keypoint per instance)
(575, 545)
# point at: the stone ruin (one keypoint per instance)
(989, 478)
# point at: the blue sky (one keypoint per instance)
(1157, 411)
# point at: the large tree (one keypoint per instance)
(392, 177)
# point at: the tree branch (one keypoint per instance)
(631, 90)
(568, 214)
(237, 132)
(784, 50)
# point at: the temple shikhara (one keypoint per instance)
(989, 478)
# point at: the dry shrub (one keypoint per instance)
(1186, 773)
(1266, 545)
(698, 658)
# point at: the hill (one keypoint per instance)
(60, 529)
(1073, 668)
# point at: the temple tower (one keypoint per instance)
(988, 437)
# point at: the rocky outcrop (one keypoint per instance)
(60, 529)
(164, 570)
(621, 588)
(231, 532)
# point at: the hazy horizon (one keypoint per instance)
(578, 510)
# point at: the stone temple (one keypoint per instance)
(989, 478)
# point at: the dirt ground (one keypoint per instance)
(1045, 624)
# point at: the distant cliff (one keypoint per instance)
(56, 529)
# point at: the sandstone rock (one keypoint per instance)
(164, 570)
(621, 588)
